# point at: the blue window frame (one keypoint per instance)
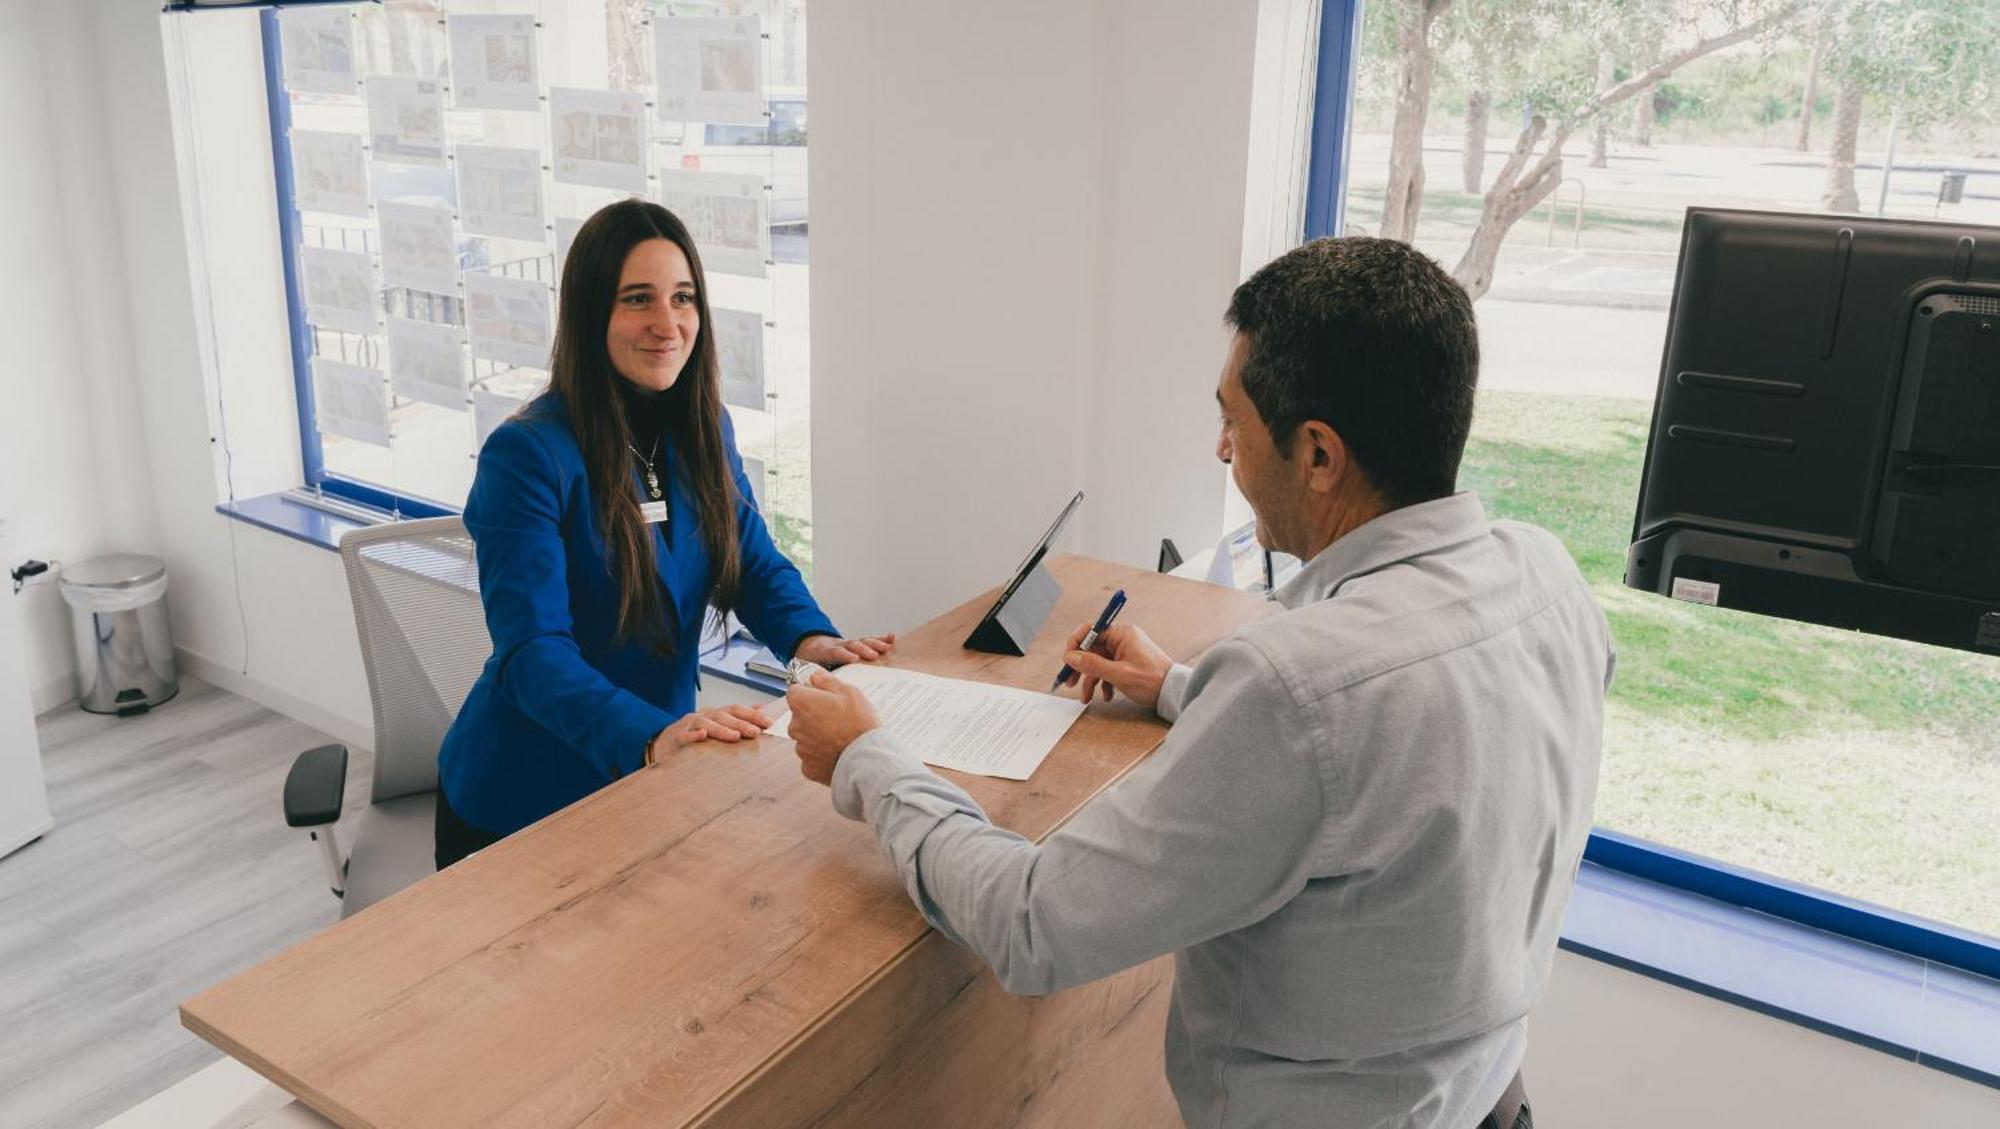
(327, 466)
(423, 477)
(1326, 189)
(1333, 112)
(317, 478)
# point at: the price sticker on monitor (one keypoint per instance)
(1697, 591)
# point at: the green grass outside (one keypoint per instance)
(793, 535)
(787, 456)
(1865, 765)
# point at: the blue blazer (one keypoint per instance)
(562, 708)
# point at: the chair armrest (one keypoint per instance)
(314, 787)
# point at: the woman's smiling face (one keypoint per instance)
(654, 316)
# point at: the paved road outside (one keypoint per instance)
(1585, 313)
(1569, 350)
(1663, 181)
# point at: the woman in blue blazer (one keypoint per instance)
(608, 516)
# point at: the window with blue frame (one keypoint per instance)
(435, 157)
(1546, 154)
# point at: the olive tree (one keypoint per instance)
(1570, 98)
(1927, 62)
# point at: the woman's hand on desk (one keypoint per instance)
(1124, 658)
(724, 723)
(828, 651)
(826, 718)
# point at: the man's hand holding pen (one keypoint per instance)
(1124, 658)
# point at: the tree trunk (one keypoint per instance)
(1600, 134)
(1517, 187)
(1840, 195)
(1811, 95)
(1647, 103)
(1478, 110)
(626, 45)
(1514, 195)
(1403, 198)
(1475, 268)
(1643, 111)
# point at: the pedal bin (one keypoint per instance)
(124, 651)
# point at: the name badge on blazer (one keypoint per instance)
(653, 513)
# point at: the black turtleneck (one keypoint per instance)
(648, 415)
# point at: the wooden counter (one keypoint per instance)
(707, 943)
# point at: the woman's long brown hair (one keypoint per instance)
(581, 372)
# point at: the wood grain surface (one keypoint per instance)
(707, 942)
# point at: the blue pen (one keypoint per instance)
(1111, 611)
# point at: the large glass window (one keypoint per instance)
(441, 155)
(1546, 152)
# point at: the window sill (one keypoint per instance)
(1920, 1011)
(282, 515)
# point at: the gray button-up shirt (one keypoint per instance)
(1358, 837)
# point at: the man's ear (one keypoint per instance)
(1326, 461)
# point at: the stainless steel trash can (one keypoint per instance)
(124, 652)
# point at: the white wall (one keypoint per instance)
(1023, 244)
(117, 394)
(1610, 1047)
(1281, 110)
(259, 613)
(71, 449)
(212, 65)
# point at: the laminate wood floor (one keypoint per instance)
(170, 868)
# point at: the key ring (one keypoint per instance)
(799, 672)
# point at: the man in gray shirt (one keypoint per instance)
(1360, 833)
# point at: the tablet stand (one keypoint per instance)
(1011, 623)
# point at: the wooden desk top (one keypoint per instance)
(638, 955)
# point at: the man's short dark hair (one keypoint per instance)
(1372, 338)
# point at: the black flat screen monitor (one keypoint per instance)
(1825, 446)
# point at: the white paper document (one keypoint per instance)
(340, 289)
(969, 726)
(350, 400)
(709, 70)
(489, 411)
(566, 229)
(493, 62)
(599, 138)
(419, 249)
(329, 172)
(427, 363)
(727, 213)
(500, 192)
(318, 50)
(739, 339)
(507, 319)
(406, 119)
